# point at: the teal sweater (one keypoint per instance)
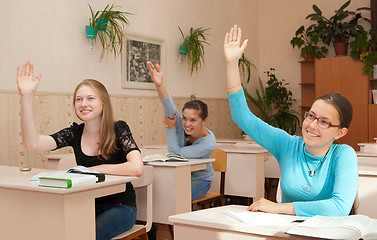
(331, 191)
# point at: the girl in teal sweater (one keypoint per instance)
(318, 176)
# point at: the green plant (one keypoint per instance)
(307, 40)
(274, 103)
(193, 97)
(193, 43)
(245, 66)
(339, 27)
(112, 37)
(364, 48)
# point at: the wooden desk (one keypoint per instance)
(171, 185)
(245, 169)
(213, 223)
(33, 212)
(367, 191)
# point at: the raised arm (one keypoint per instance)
(157, 78)
(232, 52)
(27, 86)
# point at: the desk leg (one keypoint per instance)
(36, 215)
(171, 192)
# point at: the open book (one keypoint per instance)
(169, 157)
(348, 227)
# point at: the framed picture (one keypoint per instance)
(135, 54)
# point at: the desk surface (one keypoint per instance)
(12, 177)
(242, 147)
(239, 147)
(214, 222)
(190, 162)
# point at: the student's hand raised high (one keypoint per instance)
(232, 49)
(25, 79)
(156, 73)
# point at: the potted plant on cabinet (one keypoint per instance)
(337, 29)
(108, 25)
(307, 40)
(193, 47)
(364, 48)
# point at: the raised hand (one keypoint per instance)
(232, 49)
(156, 73)
(25, 79)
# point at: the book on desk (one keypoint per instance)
(169, 157)
(348, 227)
(73, 177)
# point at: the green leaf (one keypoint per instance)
(317, 10)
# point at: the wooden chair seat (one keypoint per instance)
(134, 232)
(209, 195)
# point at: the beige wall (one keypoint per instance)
(51, 34)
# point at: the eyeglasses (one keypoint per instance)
(321, 122)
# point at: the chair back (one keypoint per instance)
(219, 164)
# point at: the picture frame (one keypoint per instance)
(139, 49)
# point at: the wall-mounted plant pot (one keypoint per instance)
(90, 32)
(102, 24)
(182, 50)
(341, 48)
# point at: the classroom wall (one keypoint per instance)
(51, 34)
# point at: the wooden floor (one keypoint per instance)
(163, 233)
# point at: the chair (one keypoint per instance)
(213, 198)
(353, 211)
(139, 230)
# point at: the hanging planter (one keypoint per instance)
(102, 24)
(108, 26)
(182, 49)
(90, 32)
(193, 47)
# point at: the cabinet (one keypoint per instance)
(342, 75)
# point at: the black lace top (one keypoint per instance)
(71, 136)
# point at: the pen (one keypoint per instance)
(298, 221)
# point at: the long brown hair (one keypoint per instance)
(107, 145)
